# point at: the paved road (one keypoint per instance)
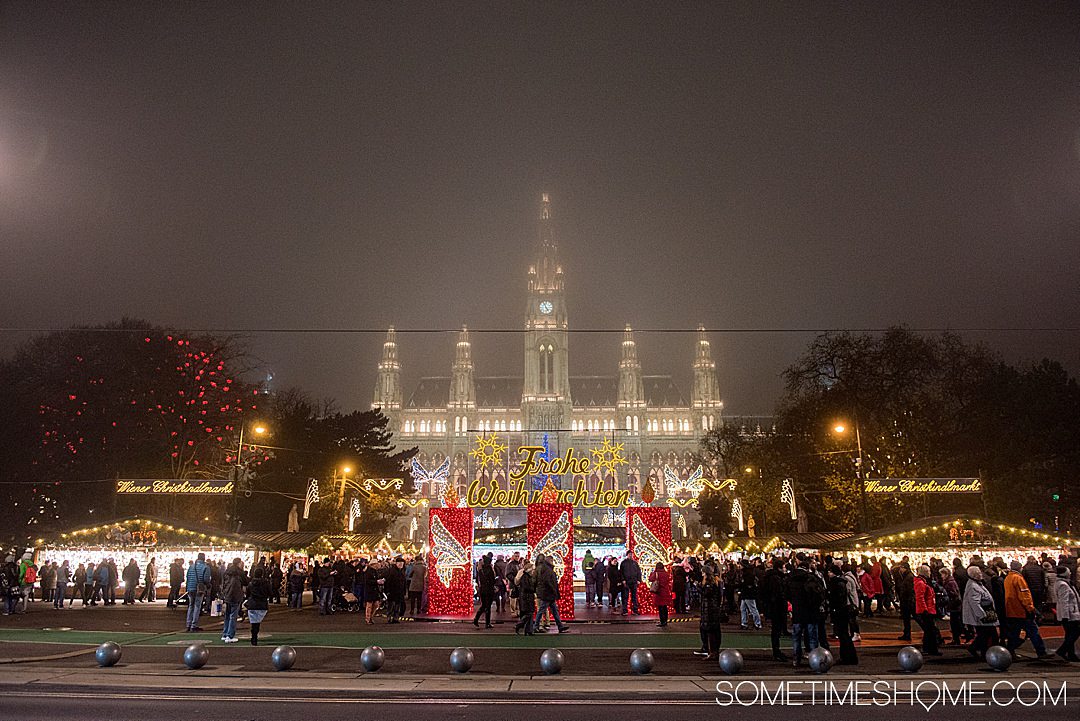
(58, 706)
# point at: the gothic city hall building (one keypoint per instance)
(657, 424)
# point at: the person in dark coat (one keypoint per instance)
(599, 571)
(258, 602)
(1035, 577)
(131, 582)
(905, 594)
(525, 582)
(678, 586)
(774, 604)
(842, 613)
(176, 578)
(806, 593)
(276, 578)
(547, 592)
(615, 583)
(394, 585)
(712, 609)
(485, 586)
(631, 576)
(372, 592)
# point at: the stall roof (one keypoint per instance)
(306, 539)
(197, 532)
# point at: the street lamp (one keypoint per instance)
(841, 429)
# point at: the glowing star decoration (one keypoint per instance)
(311, 497)
(609, 456)
(488, 451)
(354, 513)
(550, 531)
(382, 484)
(435, 480)
(737, 513)
(787, 495)
(554, 544)
(450, 555)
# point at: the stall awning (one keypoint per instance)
(143, 531)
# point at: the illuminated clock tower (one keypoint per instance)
(545, 397)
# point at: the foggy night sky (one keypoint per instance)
(353, 165)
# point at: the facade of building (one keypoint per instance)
(547, 405)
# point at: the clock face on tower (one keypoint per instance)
(545, 307)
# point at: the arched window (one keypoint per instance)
(628, 426)
(547, 368)
(635, 424)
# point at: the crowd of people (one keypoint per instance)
(978, 603)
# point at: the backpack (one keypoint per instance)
(31, 575)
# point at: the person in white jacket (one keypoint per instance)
(1068, 612)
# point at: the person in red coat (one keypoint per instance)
(660, 585)
(926, 611)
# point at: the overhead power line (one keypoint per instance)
(381, 331)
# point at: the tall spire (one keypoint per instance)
(631, 387)
(545, 274)
(706, 392)
(388, 386)
(462, 385)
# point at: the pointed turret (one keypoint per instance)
(631, 389)
(463, 386)
(706, 391)
(388, 386)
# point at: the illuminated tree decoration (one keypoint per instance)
(787, 495)
(450, 539)
(609, 456)
(550, 494)
(450, 497)
(550, 531)
(648, 537)
(354, 512)
(737, 513)
(488, 451)
(539, 481)
(311, 497)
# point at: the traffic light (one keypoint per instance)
(1056, 497)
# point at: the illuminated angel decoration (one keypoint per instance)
(449, 554)
(553, 544)
(647, 546)
(692, 486)
(435, 480)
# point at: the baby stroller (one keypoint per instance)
(345, 600)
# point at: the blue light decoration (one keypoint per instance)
(539, 480)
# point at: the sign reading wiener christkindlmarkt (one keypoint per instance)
(882, 486)
(173, 486)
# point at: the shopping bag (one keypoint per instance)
(217, 607)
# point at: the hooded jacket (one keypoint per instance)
(547, 583)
